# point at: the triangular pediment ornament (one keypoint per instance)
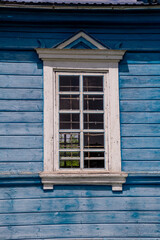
(81, 40)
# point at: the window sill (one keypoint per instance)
(49, 179)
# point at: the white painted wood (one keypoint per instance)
(82, 61)
(48, 117)
(78, 35)
(67, 55)
(77, 178)
(114, 119)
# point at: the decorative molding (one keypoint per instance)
(77, 36)
(79, 55)
(70, 178)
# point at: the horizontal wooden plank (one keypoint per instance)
(141, 154)
(139, 69)
(99, 238)
(20, 94)
(13, 129)
(18, 56)
(131, 45)
(17, 81)
(32, 43)
(21, 105)
(139, 81)
(80, 204)
(140, 142)
(140, 166)
(115, 17)
(21, 68)
(82, 231)
(18, 167)
(21, 155)
(66, 34)
(64, 191)
(20, 142)
(145, 130)
(27, 43)
(21, 117)
(140, 93)
(79, 218)
(140, 105)
(140, 117)
(71, 29)
(141, 57)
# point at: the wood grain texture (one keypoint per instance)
(139, 81)
(140, 142)
(62, 191)
(140, 93)
(21, 155)
(81, 204)
(17, 129)
(21, 105)
(18, 167)
(140, 105)
(20, 94)
(56, 218)
(8, 142)
(21, 68)
(141, 130)
(82, 231)
(140, 166)
(140, 117)
(138, 154)
(18, 81)
(21, 117)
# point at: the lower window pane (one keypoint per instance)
(69, 159)
(93, 140)
(69, 121)
(93, 159)
(69, 140)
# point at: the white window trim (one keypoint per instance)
(77, 36)
(72, 60)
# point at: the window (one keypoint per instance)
(82, 121)
(81, 117)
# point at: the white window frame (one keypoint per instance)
(82, 61)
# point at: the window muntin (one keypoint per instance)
(82, 130)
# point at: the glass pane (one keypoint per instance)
(93, 121)
(93, 140)
(70, 102)
(93, 83)
(69, 159)
(93, 159)
(93, 102)
(69, 121)
(69, 83)
(69, 140)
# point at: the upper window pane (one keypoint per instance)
(69, 121)
(93, 102)
(69, 83)
(93, 83)
(93, 121)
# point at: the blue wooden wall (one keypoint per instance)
(81, 212)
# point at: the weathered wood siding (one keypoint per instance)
(95, 212)
(80, 212)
